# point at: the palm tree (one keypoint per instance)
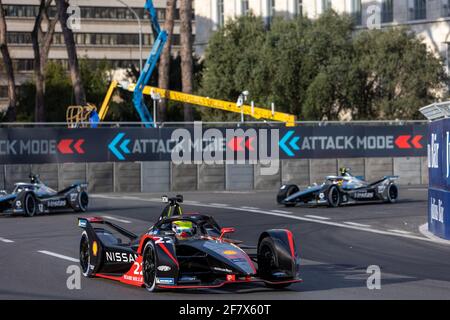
(12, 98)
(186, 54)
(164, 63)
(75, 75)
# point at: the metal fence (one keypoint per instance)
(271, 124)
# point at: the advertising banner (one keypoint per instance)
(62, 145)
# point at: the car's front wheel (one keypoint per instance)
(334, 197)
(149, 266)
(85, 255)
(268, 263)
(29, 204)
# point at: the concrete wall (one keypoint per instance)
(164, 176)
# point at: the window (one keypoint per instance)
(445, 8)
(387, 11)
(298, 9)
(323, 6)
(245, 8)
(417, 9)
(356, 11)
(220, 13)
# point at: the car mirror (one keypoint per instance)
(165, 199)
(224, 231)
(179, 198)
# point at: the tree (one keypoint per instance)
(164, 64)
(7, 61)
(41, 41)
(187, 62)
(398, 75)
(63, 17)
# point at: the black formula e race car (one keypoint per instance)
(340, 190)
(185, 251)
(34, 197)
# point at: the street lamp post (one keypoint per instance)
(140, 31)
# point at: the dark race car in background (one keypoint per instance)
(340, 190)
(185, 251)
(34, 197)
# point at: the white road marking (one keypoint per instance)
(358, 224)
(307, 219)
(190, 202)
(400, 231)
(250, 208)
(219, 204)
(117, 219)
(281, 211)
(317, 217)
(6, 240)
(57, 255)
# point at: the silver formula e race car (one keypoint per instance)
(185, 251)
(340, 190)
(34, 197)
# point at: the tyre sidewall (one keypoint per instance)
(29, 197)
(149, 245)
(331, 203)
(390, 199)
(88, 273)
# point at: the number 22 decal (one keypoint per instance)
(137, 268)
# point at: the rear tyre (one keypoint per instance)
(285, 193)
(392, 193)
(30, 204)
(85, 255)
(334, 197)
(83, 202)
(268, 263)
(149, 266)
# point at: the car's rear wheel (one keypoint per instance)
(392, 193)
(334, 197)
(149, 266)
(83, 202)
(85, 255)
(268, 263)
(30, 205)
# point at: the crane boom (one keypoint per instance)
(160, 40)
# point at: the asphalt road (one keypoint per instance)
(336, 247)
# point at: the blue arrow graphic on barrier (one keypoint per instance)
(113, 144)
(124, 146)
(285, 143)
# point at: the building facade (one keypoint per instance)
(430, 19)
(107, 30)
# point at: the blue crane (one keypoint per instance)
(160, 36)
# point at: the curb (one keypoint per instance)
(423, 229)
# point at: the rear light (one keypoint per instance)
(231, 277)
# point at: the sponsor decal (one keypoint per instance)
(120, 257)
(18, 204)
(56, 203)
(164, 268)
(363, 195)
(433, 152)
(82, 223)
(165, 280)
(222, 269)
(437, 210)
(229, 252)
(94, 248)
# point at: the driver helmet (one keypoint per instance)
(344, 171)
(183, 229)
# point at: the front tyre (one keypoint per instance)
(85, 255)
(285, 192)
(30, 204)
(392, 193)
(149, 266)
(268, 263)
(334, 197)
